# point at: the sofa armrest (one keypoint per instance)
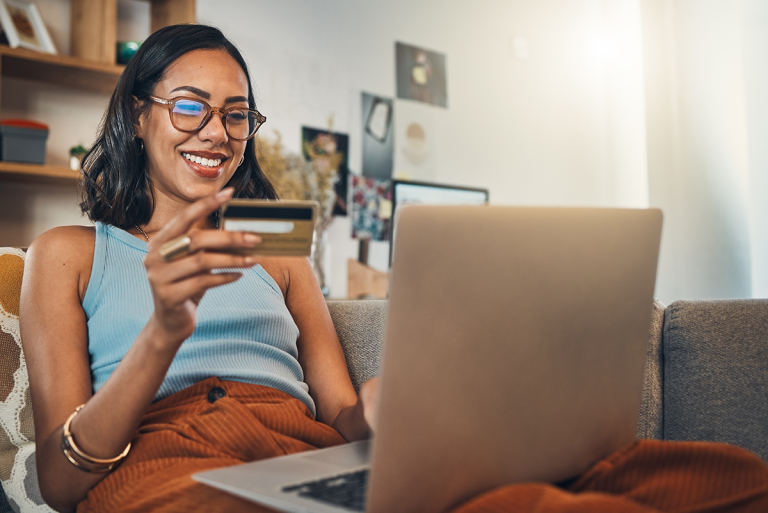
(715, 379)
(650, 420)
(360, 326)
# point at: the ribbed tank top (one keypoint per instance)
(244, 331)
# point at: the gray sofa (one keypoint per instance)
(706, 371)
(706, 375)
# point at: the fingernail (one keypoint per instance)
(225, 193)
(250, 260)
(251, 239)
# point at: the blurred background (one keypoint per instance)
(628, 103)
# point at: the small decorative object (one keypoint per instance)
(126, 50)
(24, 27)
(319, 142)
(414, 130)
(421, 75)
(76, 154)
(22, 140)
(371, 208)
(378, 140)
(299, 179)
(379, 119)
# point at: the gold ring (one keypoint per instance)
(175, 248)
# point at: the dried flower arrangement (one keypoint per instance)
(298, 179)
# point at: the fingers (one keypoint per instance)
(190, 215)
(177, 293)
(212, 240)
(204, 262)
(204, 256)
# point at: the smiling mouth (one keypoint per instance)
(201, 160)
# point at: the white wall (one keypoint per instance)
(563, 126)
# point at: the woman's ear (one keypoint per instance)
(138, 116)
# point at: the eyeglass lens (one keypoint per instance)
(189, 115)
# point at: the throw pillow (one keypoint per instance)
(18, 472)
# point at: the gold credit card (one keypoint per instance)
(285, 227)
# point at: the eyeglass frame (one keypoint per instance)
(260, 118)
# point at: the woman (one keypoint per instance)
(165, 340)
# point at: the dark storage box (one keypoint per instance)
(23, 141)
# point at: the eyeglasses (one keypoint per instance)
(190, 115)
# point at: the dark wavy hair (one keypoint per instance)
(116, 188)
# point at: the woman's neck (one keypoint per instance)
(147, 231)
(166, 208)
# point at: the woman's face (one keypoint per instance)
(216, 78)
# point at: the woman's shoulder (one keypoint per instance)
(65, 241)
(64, 251)
(286, 269)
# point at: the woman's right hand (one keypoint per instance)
(178, 285)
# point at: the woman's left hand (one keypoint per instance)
(369, 397)
(358, 421)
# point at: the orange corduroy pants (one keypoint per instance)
(220, 423)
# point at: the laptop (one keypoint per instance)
(514, 352)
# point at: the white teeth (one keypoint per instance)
(202, 161)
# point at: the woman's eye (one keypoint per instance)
(188, 108)
(237, 116)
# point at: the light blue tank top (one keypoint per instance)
(244, 330)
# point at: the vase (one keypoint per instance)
(319, 247)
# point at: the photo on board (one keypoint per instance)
(421, 75)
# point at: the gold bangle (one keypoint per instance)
(89, 463)
(82, 465)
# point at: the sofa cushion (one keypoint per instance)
(715, 357)
(360, 326)
(18, 472)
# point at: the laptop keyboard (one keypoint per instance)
(345, 490)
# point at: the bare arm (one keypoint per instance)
(55, 340)
(321, 356)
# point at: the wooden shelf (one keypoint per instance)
(59, 69)
(37, 173)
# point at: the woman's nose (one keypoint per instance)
(214, 130)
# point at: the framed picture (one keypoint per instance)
(333, 146)
(421, 75)
(371, 208)
(24, 27)
(378, 144)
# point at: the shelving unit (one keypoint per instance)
(58, 69)
(92, 66)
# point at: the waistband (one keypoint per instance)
(209, 390)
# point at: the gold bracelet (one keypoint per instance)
(88, 463)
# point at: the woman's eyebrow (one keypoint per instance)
(235, 99)
(194, 90)
(207, 96)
